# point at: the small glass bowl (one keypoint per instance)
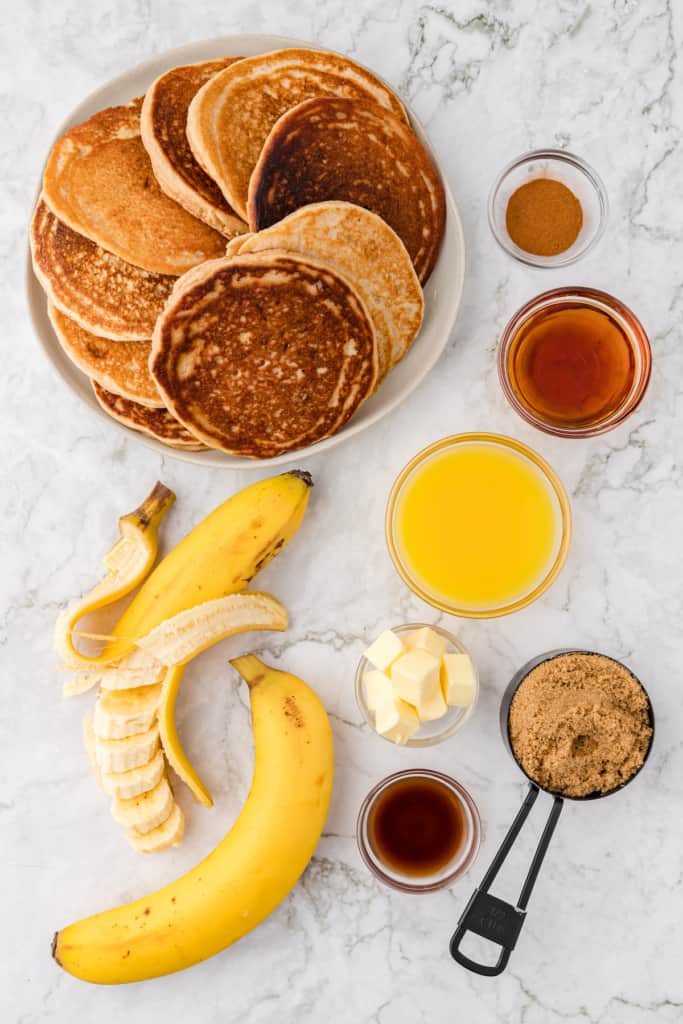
(454, 870)
(603, 303)
(429, 733)
(563, 512)
(561, 166)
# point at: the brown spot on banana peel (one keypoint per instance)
(53, 949)
(293, 711)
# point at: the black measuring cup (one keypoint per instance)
(487, 915)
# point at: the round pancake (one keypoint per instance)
(121, 367)
(162, 127)
(157, 423)
(99, 181)
(101, 292)
(264, 353)
(362, 247)
(230, 117)
(349, 149)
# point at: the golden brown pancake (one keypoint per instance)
(101, 292)
(356, 151)
(230, 117)
(236, 243)
(162, 125)
(264, 353)
(121, 367)
(157, 423)
(99, 181)
(362, 247)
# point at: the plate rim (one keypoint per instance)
(213, 458)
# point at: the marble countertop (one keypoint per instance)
(602, 940)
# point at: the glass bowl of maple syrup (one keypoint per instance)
(574, 362)
(418, 830)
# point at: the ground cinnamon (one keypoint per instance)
(543, 217)
(580, 724)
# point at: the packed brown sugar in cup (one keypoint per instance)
(580, 724)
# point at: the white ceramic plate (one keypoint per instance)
(442, 294)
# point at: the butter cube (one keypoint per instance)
(396, 720)
(457, 680)
(415, 676)
(433, 707)
(385, 650)
(378, 688)
(426, 639)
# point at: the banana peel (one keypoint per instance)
(127, 564)
(170, 740)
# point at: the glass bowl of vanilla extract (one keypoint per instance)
(574, 362)
(418, 830)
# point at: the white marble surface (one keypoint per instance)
(602, 942)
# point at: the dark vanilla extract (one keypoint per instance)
(416, 827)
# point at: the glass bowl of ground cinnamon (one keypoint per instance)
(579, 724)
(548, 208)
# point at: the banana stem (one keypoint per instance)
(251, 668)
(153, 508)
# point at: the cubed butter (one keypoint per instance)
(457, 680)
(415, 676)
(433, 707)
(378, 688)
(396, 720)
(385, 650)
(426, 639)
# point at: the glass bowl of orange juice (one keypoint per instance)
(478, 525)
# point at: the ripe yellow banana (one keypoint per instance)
(251, 870)
(220, 556)
(127, 564)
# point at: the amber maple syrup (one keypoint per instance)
(571, 365)
(416, 827)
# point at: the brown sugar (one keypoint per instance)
(543, 217)
(580, 724)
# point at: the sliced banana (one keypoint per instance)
(169, 833)
(126, 785)
(89, 744)
(129, 752)
(144, 812)
(121, 713)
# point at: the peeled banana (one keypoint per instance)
(189, 602)
(251, 870)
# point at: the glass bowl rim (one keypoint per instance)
(415, 742)
(596, 299)
(551, 478)
(561, 259)
(463, 796)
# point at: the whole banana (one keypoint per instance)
(251, 870)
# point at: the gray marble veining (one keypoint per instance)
(490, 78)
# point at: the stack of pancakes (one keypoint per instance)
(237, 259)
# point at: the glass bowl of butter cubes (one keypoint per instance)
(416, 685)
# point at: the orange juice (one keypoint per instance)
(478, 524)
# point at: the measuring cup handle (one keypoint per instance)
(493, 918)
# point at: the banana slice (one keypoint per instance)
(135, 670)
(130, 752)
(121, 713)
(169, 833)
(127, 563)
(144, 812)
(170, 741)
(89, 744)
(126, 785)
(185, 635)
